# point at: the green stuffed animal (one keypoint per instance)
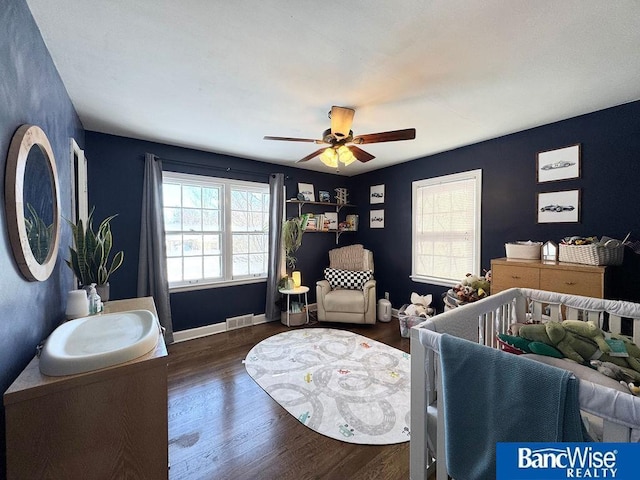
(573, 339)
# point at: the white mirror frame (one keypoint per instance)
(26, 137)
(79, 193)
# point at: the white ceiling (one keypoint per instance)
(218, 75)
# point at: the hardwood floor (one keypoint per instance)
(223, 426)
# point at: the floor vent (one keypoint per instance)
(240, 322)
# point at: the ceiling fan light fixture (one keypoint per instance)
(329, 157)
(341, 120)
(345, 156)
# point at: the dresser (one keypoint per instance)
(570, 278)
(103, 424)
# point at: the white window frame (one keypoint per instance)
(227, 278)
(474, 176)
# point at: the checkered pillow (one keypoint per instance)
(347, 279)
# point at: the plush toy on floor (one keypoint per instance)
(420, 306)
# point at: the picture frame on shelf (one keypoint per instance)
(332, 217)
(376, 194)
(323, 196)
(376, 219)
(307, 192)
(559, 164)
(559, 207)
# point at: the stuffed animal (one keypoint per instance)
(420, 306)
(573, 339)
(626, 375)
(472, 288)
(632, 388)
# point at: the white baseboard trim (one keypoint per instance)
(184, 335)
(205, 331)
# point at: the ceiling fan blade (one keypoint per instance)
(360, 154)
(341, 120)
(310, 156)
(290, 139)
(392, 136)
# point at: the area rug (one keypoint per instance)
(338, 383)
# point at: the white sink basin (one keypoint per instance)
(99, 341)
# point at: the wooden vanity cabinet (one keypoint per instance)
(570, 278)
(106, 424)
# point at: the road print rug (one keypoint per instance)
(338, 383)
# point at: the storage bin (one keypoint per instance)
(407, 321)
(611, 253)
(523, 250)
(295, 319)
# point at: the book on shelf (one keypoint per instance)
(305, 220)
(311, 223)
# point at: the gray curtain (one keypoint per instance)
(152, 266)
(276, 194)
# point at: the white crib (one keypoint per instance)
(480, 322)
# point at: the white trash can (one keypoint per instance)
(384, 310)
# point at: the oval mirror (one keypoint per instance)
(32, 202)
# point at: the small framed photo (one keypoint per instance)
(305, 192)
(377, 194)
(376, 219)
(332, 217)
(559, 207)
(559, 164)
(323, 196)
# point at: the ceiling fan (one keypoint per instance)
(342, 144)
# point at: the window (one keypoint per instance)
(216, 230)
(446, 228)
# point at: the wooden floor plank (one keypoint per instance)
(223, 426)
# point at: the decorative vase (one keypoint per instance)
(103, 291)
(77, 304)
(290, 285)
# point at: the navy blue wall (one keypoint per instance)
(610, 187)
(115, 167)
(30, 92)
(610, 142)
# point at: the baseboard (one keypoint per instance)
(193, 333)
(184, 335)
(198, 332)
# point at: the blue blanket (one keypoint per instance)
(490, 396)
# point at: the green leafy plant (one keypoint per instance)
(89, 259)
(292, 231)
(39, 234)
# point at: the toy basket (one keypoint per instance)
(611, 253)
(407, 321)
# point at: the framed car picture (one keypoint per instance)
(559, 164)
(306, 192)
(559, 207)
(377, 194)
(376, 219)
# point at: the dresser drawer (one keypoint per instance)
(588, 284)
(509, 276)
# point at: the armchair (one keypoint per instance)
(348, 293)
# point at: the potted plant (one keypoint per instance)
(89, 260)
(292, 231)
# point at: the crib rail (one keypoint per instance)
(481, 322)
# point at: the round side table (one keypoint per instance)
(295, 291)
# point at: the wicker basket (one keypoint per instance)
(592, 254)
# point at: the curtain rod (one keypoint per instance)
(214, 167)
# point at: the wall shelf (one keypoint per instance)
(337, 206)
(300, 204)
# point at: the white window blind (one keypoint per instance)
(446, 227)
